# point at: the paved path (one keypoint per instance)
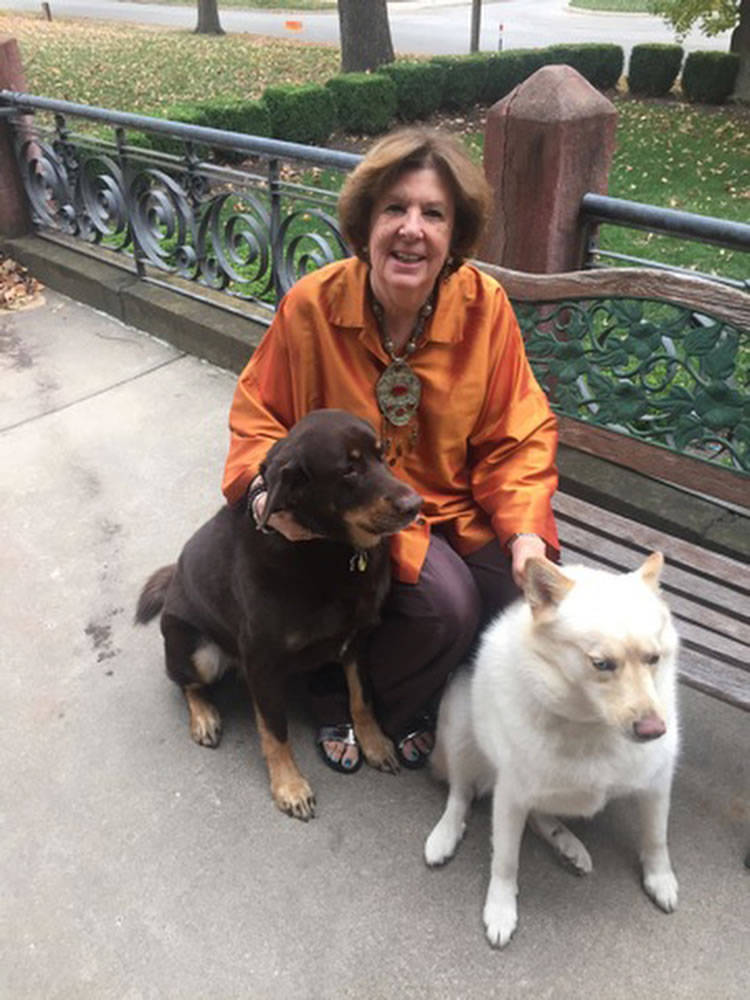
(137, 866)
(417, 26)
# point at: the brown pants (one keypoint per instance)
(427, 630)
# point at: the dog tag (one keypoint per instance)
(358, 562)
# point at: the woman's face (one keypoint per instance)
(410, 236)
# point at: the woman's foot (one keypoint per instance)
(339, 749)
(415, 747)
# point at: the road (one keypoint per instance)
(417, 26)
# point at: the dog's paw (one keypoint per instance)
(563, 841)
(500, 921)
(662, 889)
(295, 798)
(205, 726)
(572, 853)
(379, 752)
(441, 844)
(500, 911)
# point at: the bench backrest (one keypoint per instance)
(646, 368)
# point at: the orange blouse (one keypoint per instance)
(484, 457)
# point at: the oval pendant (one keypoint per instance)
(398, 391)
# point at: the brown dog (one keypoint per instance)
(240, 593)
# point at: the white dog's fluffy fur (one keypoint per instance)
(571, 702)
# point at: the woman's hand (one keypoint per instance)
(282, 521)
(525, 547)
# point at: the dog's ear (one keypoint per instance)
(283, 481)
(650, 570)
(544, 586)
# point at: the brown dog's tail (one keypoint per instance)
(153, 594)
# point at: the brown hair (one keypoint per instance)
(412, 149)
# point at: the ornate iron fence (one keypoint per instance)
(168, 200)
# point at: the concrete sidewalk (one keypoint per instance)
(138, 865)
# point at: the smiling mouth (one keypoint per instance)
(407, 258)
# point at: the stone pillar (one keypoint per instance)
(14, 215)
(546, 144)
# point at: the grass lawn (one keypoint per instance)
(291, 5)
(671, 154)
(621, 6)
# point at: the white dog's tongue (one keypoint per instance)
(650, 727)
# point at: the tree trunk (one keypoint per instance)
(208, 18)
(476, 23)
(365, 35)
(741, 45)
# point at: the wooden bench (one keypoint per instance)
(697, 345)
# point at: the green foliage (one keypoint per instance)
(600, 64)
(419, 87)
(653, 69)
(305, 114)
(618, 6)
(709, 76)
(712, 16)
(465, 79)
(365, 102)
(511, 67)
(248, 117)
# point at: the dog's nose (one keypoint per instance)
(408, 503)
(650, 727)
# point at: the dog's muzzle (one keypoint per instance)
(649, 727)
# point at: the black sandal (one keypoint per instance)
(422, 726)
(342, 733)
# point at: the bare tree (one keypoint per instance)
(365, 35)
(208, 18)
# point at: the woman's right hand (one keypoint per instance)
(282, 521)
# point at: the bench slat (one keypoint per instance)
(713, 563)
(692, 586)
(721, 680)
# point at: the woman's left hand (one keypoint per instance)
(525, 547)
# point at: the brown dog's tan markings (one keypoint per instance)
(378, 750)
(205, 721)
(244, 596)
(289, 790)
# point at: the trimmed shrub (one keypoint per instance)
(230, 115)
(709, 76)
(600, 64)
(465, 78)
(419, 87)
(365, 102)
(304, 114)
(509, 68)
(653, 69)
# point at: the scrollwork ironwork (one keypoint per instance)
(655, 371)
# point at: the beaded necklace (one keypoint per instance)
(399, 390)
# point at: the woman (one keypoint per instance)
(426, 348)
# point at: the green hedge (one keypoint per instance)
(305, 114)
(419, 87)
(653, 69)
(509, 68)
(465, 79)
(600, 64)
(365, 102)
(709, 76)
(231, 115)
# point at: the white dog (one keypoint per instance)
(572, 701)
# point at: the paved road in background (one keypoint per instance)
(418, 26)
